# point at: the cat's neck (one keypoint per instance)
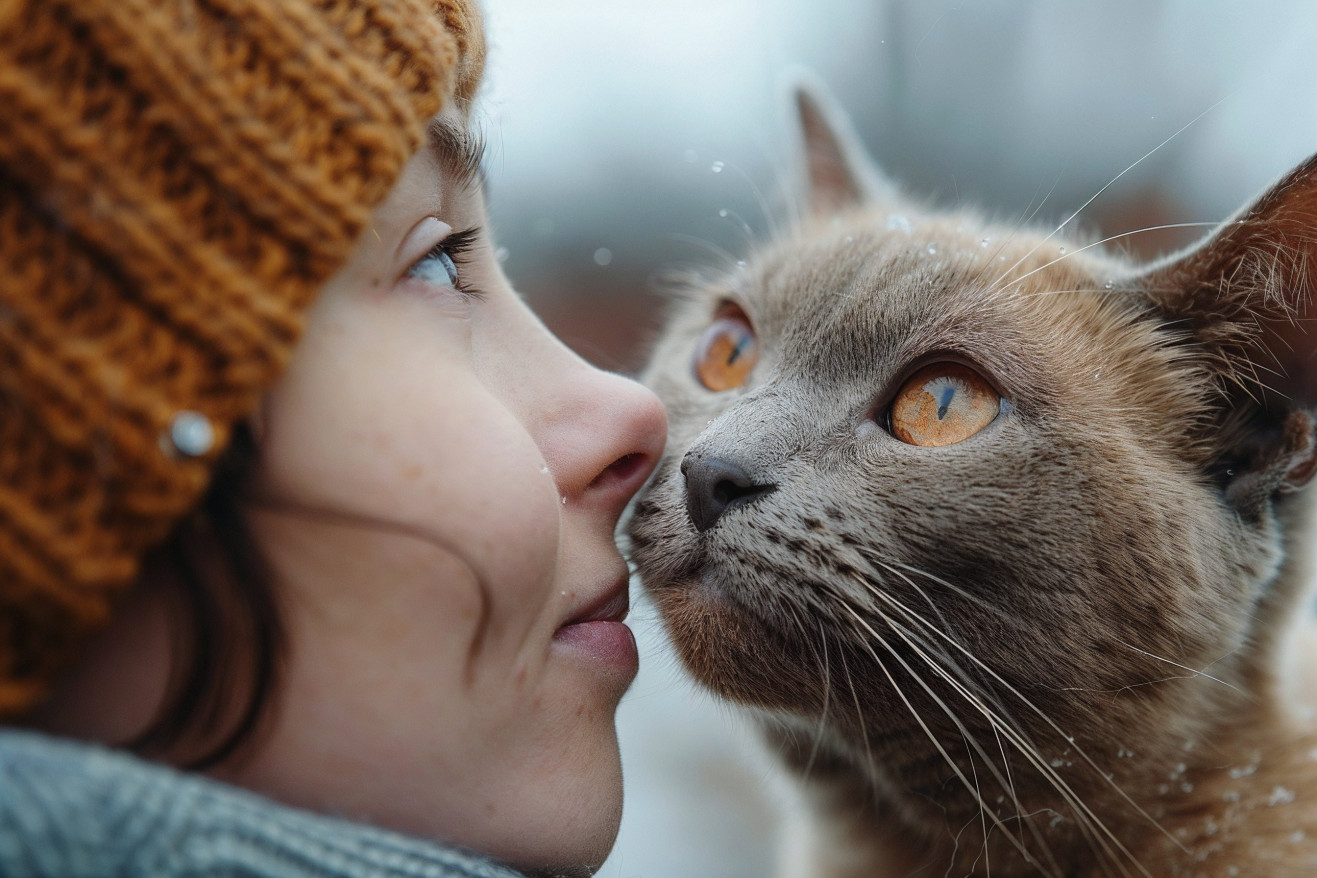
(1237, 796)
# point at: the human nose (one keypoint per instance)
(608, 447)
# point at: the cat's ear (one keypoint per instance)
(1246, 292)
(1244, 297)
(837, 171)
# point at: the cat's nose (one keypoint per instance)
(713, 486)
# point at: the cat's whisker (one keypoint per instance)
(725, 257)
(859, 717)
(1110, 780)
(1000, 724)
(971, 788)
(1030, 211)
(1089, 824)
(994, 720)
(1107, 240)
(1192, 672)
(826, 679)
(1096, 195)
(960, 775)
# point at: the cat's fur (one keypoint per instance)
(1058, 647)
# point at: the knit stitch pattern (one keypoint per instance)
(177, 180)
(77, 811)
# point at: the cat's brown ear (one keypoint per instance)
(1244, 297)
(838, 173)
(1246, 292)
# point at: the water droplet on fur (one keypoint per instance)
(1242, 771)
(1097, 375)
(1062, 250)
(603, 256)
(1108, 285)
(1057, 763)
(564, 501)
(1231, 796)
(717, 167)
(898, 223)
(1186, 787)
(1001, 258)
(740, 263)
(691, 156)
(1280, 796)
(544, 469)
(984, 242)
(1297, 836)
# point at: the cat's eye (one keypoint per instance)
(943, 404)
(727, 352)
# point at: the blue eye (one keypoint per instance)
(440, 265)
(436, 267)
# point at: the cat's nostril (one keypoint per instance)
(713, 486)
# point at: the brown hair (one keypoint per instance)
(227, 635)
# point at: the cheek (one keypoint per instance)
(382, 418)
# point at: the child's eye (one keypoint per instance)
(440, 265)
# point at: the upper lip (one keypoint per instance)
(610, 606)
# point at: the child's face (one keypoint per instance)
(440, 483)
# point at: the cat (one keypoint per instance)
(1000, 538)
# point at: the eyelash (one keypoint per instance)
(457, 247)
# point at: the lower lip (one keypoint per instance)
(611, 643)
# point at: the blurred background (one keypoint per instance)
(629, 140)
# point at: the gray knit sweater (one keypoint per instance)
(75, 811)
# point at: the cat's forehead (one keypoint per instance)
(878, 288)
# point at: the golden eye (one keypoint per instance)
(943, 404)
(727, 351)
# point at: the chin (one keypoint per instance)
(568, 827)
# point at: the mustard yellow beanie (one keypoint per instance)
(177, 180)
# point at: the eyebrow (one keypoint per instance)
(459, 152)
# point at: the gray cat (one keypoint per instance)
(1000, 537)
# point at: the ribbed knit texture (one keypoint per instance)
(75, 811)
(177, 180)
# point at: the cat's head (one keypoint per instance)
(934, 483)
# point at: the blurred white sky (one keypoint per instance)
(606, 118)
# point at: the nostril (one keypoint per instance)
(713, 486)
(728, 492)
(620, 470)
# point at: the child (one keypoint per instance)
(293, 488)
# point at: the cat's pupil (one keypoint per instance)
(736, 351)
(945, 403)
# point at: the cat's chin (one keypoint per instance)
(732, 651)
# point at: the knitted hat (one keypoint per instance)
(177, 180)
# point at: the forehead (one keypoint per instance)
(863, 296)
